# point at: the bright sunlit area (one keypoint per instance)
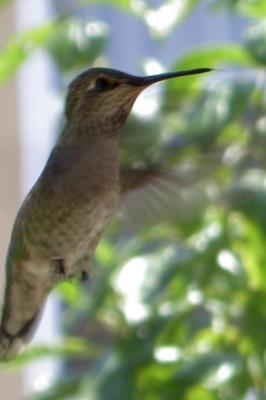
(136, 267)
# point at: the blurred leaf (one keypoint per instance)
(212, 57)
(123, 4)
(72, 44)
(71, 347)
(200, 393)
(194, 372)
(249, 199)
(4, 2)
(252, 8)
(209, 57)
(248, 8)
(76, 44)
(254, 322)
(163, 269)
(250, 246)
(21, 46)
(255, 39)
(221, 104)
(70, 293)
(105, 253)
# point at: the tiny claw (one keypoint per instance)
(58, 267)
(84, 276)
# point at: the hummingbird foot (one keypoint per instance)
(58, 269)
(85, 275)
(82, 268)
(61, 273)
(80, 275)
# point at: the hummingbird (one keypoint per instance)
(63, 217)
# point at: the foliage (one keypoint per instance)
(176, 310)
(20, 47)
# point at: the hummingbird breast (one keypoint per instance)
(71, 204)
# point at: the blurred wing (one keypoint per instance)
(150, 195)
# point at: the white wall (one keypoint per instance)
(37, 106)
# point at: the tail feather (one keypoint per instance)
(12, 345)
(28, 283)
(23, 304)
(9, 346)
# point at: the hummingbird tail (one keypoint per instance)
(24, 300)
(12, 345)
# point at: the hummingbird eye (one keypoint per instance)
(102, 84)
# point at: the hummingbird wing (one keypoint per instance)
(149, 195)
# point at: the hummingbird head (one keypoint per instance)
(108, 94)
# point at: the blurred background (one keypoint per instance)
(175, 308)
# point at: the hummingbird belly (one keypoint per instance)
(71, 204)
(73, 233)
(86, 231)
(66, 224)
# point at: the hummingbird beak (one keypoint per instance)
(149, 80)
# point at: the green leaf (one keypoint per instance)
(70, 348)
(255, 39)
(194, 372)
(250, 245)
(249, 8)
(105, 253)
(71, 43)
(75, 44)
(4, 2)
(233, 97)
(249, 199)
(123, 4)
(215, 56)
(208, 57)
(200, 393)
(20, 47)
(71, 293)
(252, 8)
